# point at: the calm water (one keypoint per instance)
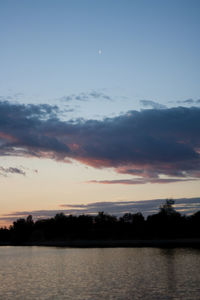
(119, 273)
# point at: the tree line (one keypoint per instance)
(167, 223)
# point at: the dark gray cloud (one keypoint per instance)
(184, 205)
(152, 104)
(86, 96)
(147, 143)
(24, 129)
(8, 171)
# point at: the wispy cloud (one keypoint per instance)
(118, 208)
(7, 171)
(139, 181)
(152, 104)
(188, 101)
(184, 205)
(92, 95)
(147, 143)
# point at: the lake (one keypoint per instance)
(99, 273)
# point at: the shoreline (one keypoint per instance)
(154, 243)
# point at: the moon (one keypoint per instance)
(100, 51)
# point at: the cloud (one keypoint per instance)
(16, 170)
(188, 101)
(152, 104)
(86, 96)
(184, 205)
(147, 143)
(97, 95)
(24, 130)
(139, 181)
(7, 171)
(146, 207)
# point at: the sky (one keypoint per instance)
(99, 106)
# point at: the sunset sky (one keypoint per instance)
(99, 106)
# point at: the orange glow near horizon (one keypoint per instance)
(57, 183)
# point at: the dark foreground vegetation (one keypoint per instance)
(166, 225)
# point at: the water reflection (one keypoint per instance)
(126, 273)
(169, 263)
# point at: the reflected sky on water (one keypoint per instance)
(118, 273)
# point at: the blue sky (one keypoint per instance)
(150, 49)
(96, 59)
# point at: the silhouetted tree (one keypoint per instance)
(167, 223)
(22, 229)
(167, 208)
